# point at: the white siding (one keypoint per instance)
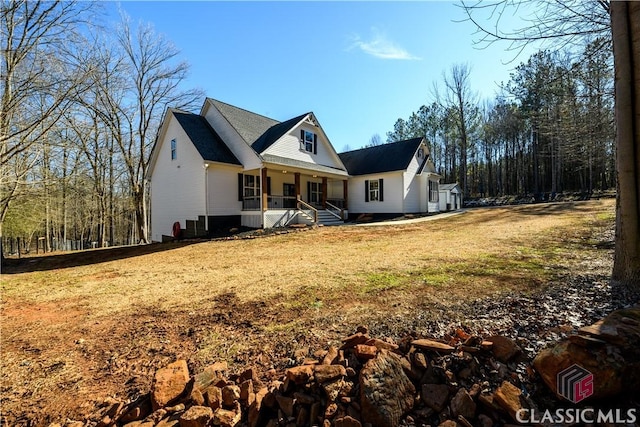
(413, 187)
(177, 186)
(393, 192)
(223, 190)
(289, 146)
(236, 144)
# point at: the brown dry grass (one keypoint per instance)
(76, 331)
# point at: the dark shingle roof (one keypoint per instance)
(205, 139)
(250, 126)
(274, 133)
(395, 156)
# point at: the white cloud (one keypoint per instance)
(381, 47)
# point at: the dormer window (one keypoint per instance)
(308, 141)
(420, 153)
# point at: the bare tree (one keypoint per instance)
(375, 139)
(149, 61)
(36, 82)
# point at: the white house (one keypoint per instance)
(228, 167)
(450, 197)
(395, 178)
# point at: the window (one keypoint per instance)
(174, 151)
(308, 141)
(434, 196)
(251, 186)
(374, 190)
(420, 152)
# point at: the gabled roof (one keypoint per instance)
(274, 133)
(391, 157)
(250, 126)
(205, 139)
(449, 186)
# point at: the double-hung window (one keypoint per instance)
(174, 149)
(374, 190)
(251, 186)
(308, 141)
(434, 195)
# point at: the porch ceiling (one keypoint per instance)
(291, 165)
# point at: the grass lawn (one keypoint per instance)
(78, 328)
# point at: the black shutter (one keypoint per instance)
(366, 190)
(302, 142)
(269, 185)
(381, 190)
(315, 144)
(240, 187)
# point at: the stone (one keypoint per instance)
(432, 345)
(615, 365)
(213, 397)
(230, 395)
(324, 373)
(386, 391)
(196, 416)
(346, 421)
(435, 396)
(420, 361)
(332, 354)
(226, 418)
(314, 413)
(365, 352)
(302, 420)
(256, 406)
(333, 388)
(197, 397)
(381, 345)
(169, 383)
(303, 398)
(462, 404)
(507, 396)
(172, 420)
(331, 410)
(353, 340)
(484, 421)
(246, 391)
(503, 348)
(300, 374)
(286, 404)
(448, 423)
(210, 375)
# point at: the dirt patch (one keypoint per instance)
(74, 330)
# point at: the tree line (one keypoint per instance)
(550, 128)
(81, 102)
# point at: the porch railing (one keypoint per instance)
(307, 206)
(335, 211)
(254, 203)
(338, 203)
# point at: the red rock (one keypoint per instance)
(463, 405)
(386, 391)
(300, 374)
(503, 348)
(331, 355)
(230, 395)
(435, 396)
(381, 345)
(432, 345)
(246, 390)
(196, 416)
(323, 373)
(365, 352)
(507, 396)
(448, 423)
(353, 340)
(213, 397)
(210, 375)
(346, 422)
(226, 418)
(420, 361)
(169, 383)
(286, 404)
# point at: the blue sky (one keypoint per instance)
(358, 66)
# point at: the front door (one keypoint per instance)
(315, 193)
(289, 193)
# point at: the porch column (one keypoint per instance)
(345, 193)
(324, 192)
(297, 183)
(263, 184)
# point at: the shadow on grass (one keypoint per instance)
(92, 256)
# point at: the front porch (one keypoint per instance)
(279, 197)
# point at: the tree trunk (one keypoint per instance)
(625, 23)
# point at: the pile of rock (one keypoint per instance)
(460, 380)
